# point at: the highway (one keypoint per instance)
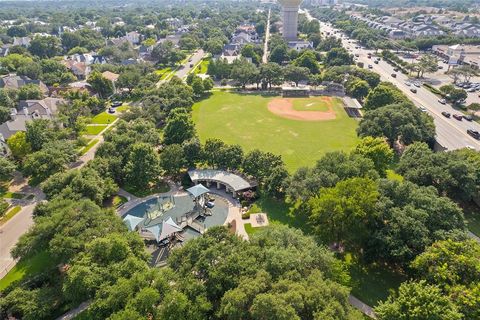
(450, 133)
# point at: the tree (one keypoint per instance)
(52, 158)
(19, 146)
(197, 86)
(129, 80)
(212, 152)
(279, 53)
(17, 31)
(453, 94)
(30, 92)
(230, 157)
(179, 127)
(271, 74)
(165, 53)
(38, 133)
(398, 123)
(7, 168)
(208, 84)
(243, 72)
(384, 94)
(427, 64)
(44, 47)
(358, 88)
(249, 51)
(340, 214)
(4, 114)
(295, 74)
(192, 150)
(417, 301)
(77, 184)
(377, 150)
(100, 84)
(214, 46)
(308, 60)
(453, 174)
(142, 166)
(172, 159)
(338, 57)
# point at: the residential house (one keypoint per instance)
(4, 50)
(4, 150)
(22, 41)
(13, 81)
(27, 111)
(133, 37)
(300, 45)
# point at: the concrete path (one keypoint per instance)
(267, 38)
(75, 312)
(364, 308)
(473, 236)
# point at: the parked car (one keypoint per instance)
(423, 109)
(408, 84)
(442, 101)
(116, 104)
(395, 69)
(440, 67)
(111, 110)
(370, 66)
(357, 55)
(446, 114)
(413, 90)
(394, 75)
(376, 61)
(468, 117)
(416, 84)
(472, 89)
(473, 133)
(458, 117)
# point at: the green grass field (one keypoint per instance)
(245, 120)
(94, 130)
(30, 266)
(308, 104)
(89, 146)
(202, 67)
(103, 118)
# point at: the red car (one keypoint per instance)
(458, 117)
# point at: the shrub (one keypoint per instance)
(3, 207)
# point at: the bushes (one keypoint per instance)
(3, 207)
(434, 90)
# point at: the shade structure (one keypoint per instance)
(155, 230)
(169, 227)
(198, 190)
(132, 221)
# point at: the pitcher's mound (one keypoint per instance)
(284, 108)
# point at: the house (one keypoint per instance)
(27, 111)
(110, 76)
(133, 37)
(300, 45)
(22, 41)
(98, 59)
(4, 50)
(16, 82)
(4, 150)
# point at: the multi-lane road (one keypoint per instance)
(450, 133)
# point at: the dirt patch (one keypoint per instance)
(284, 108)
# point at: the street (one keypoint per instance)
(450, 133)
(185, 69)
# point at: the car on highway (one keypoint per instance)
(423, 109)
(468, 117)
(413, 90)
(370, 66)
(394, 75)
(357, 55)
(458, 117)
(395, 69)
(442, 101)
(416, 84)
(408, 84)
(446, 114)
(474, 133)
(376, 61)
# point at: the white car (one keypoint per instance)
(416, 84)
(408, 84)
(442, 101)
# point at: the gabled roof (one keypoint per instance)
(132, 221)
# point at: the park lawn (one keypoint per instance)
(122, 108)
(251, 230)
(89, 146)
(371, 284)
(312, 104)
(94, 130)
(202, 68)
(163, 71)
(244, 119)
(103, 118)
(30, 266)
(4, 193)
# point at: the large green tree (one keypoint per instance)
(142, 166)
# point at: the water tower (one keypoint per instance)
(290, 18)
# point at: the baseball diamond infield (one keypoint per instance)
(297, 108)
(247, 120)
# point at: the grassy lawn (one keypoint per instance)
(203, 66)
(123, 108)
(30, 266)
(89, 146)
(103, 118)
(94, 130)
(4, 193)
(249, 229)
(319, 104)
(163, 72)
(371, 284)
(160, 187)
(9, 214)
(244, 119)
